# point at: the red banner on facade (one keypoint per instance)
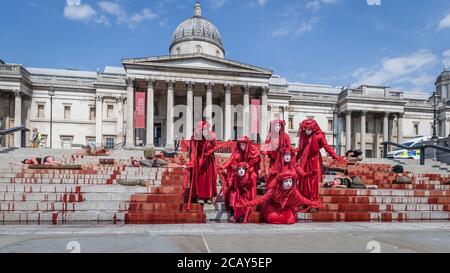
(255, 116)
(139, 110)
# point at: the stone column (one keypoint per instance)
(363, 133)
(264, 113)
(386, 126)
(348, 125)
(208, 109)
(246, 116)
(98, 120)
(150, 112)
(119, 101)
(400, 128)
(169, 121)
(190, 109)
(18, 118)
(228, 112)
(130, 113)
(286, 116)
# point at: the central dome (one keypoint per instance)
(197, 35)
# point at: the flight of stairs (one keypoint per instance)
(92, 195)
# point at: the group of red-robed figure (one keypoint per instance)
(292, 181)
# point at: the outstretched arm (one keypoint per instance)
(330, 151)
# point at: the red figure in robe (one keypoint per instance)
(287, 164)
(312, 139)
(247, 152)
(280, 204)
(202, 164)
(276, 141)
(242, 188)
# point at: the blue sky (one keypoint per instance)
(399, 43)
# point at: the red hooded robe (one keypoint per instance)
(310, 159)
(202, 163)
(241, 189)
(280, 206)
(275, 143)
(251, 156)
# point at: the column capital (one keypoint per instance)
(99, 97)
(190, 84)
(348, 112)
(209, 86)
(120, 99)
(150, 82)
(246, 88)
(400, 115)
(228, 87)
(264, 89)
(170, 83)
(17, 92)
(130, 82)
(364, 112)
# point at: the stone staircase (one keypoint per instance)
(92, 195)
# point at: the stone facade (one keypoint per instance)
(97, 106)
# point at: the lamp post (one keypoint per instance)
(434, 99)
(51, 93)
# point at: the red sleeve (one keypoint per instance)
(230, 162)
(301, 200)
(324, 144)
(258, 201)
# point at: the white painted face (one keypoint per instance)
(205, 132)
(277, 127)
(287, 157)
(243, 146)
(241, 171)
(287, 184)
(308, 132)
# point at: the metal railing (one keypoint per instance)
(422, 147)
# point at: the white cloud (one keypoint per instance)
(444, 23)
(113, 9)
(262, 2)
(315, 5)
(76, 11)
(145, 14)
(446, 58)
(296, 28)
(409, 69)
(217, 4)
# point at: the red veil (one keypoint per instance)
(276, 142)
(309, 158)
(202, 163)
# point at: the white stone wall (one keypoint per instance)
(190, 47)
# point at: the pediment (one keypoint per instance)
(195, 61)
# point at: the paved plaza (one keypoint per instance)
(226, 238)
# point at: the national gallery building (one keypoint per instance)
(155, 101)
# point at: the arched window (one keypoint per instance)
(217, 53)
(178, 51)
(198, 49)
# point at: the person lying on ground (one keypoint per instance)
(345, 181)
(48, 160)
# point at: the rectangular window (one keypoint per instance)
(109, 142)
(90, 140)
(330, 125)
(66, 142)
(110, 111)
(40, 111)
(66, 112)
(291, 122)
(91, 113)
(416, 129)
